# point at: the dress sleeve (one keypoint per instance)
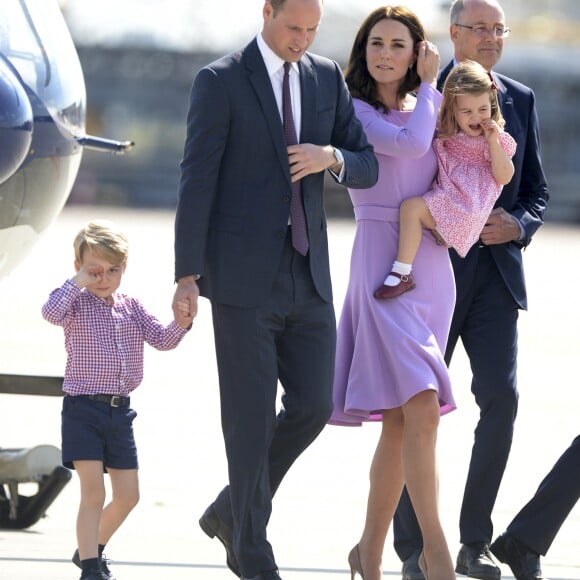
(411, 140)
(507, 143)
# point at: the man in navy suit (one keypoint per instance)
(534, 528)
(235, 244)
(490, 292)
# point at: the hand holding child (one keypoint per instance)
(182, 313)
(186, 292)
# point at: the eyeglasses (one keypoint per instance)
(483, 31)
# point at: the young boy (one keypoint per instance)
(104, 334)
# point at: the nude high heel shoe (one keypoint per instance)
(355, 563)
(423, 565)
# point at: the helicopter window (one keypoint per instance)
(34, 37)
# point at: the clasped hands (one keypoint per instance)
(185, 298)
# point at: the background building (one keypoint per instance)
(140, 57)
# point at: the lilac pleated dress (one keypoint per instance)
(390, 350)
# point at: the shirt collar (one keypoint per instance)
(272, 61)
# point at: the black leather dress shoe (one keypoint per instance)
(411, 570)
(270, 575)
(211, 524)
(474, 560)
(524, 563)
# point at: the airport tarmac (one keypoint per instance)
(319, 509)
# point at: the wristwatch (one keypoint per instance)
(339, 160)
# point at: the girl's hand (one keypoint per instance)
(428, 61)
(490, 130)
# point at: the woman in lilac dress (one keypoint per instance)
(389, 363)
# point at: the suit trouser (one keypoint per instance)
(485, 318)
(538, 522)
(290, 338)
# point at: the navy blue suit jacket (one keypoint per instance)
(525, 196)
(234, 194)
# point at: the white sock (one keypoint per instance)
(400, 268)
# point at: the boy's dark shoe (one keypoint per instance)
(270, 575)
(524, 563)
(107, 574)
(93, 575)
(104, 562)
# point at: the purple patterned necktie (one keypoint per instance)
(297, 217)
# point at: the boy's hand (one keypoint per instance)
(88, 276)
(182, 313)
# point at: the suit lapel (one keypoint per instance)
(506, 103)
(260, 81)
(308, 90)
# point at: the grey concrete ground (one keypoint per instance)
(319, 510)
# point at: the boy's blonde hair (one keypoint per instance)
(102, 238)
(466, 78)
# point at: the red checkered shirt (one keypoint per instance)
(104, 343)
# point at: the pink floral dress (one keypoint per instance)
(464, 193)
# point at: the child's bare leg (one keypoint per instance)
(414, 216)
(91, 506)
(125, 489)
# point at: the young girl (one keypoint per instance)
(474, 157)
(104, 335)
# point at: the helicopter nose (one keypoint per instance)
(15, 122)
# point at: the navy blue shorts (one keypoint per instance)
(92, 430)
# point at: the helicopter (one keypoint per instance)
(42, 138)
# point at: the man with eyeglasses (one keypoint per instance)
(490, 292)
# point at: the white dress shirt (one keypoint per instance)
(275, 67)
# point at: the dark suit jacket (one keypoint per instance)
(525, 196)
(234, 195)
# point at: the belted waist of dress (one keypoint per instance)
(376, 213)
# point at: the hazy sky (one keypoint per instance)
(193, 24)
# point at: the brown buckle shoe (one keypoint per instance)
(407, 283)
